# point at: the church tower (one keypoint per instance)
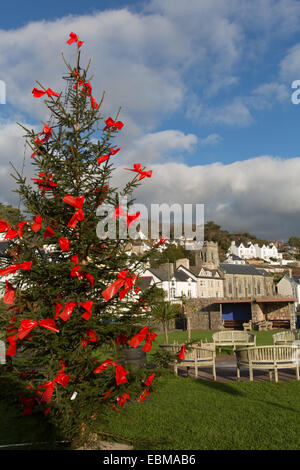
(208, 256)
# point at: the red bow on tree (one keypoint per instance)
(89, 337)
(48, 233)
(106, 157)
(37, 223)
(67, 311)
(123, 398)
(26, 326)
(148, 342)
(45, 182)
(111, 123)
(74, 38)
(47, 133)
(78, 203)
(62, 378)
(38, 93)
(9, 295)
(120, 371)
(130, 218)
(138, 169)
(3, 226)
(124, 280)
(64, 243)
(139, 337)
(143, 395)
(88, 309)
(149, 380)
(15, 267)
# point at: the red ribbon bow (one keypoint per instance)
(125, 281)
(74, 38)
(181, 354)
(123, 398)
(67, 311)
(37, 223)
(38, 93)
(149, 380)
(9, 295)
(143, 395)
(45, 182)
(78, 216)
(138, 169)
(139, 337)
(130, 218)
(119, 371)
(26, 326)
(111, 123)
(148, 342)
(15, 267)
(17, 231)
(47, 133)
(106, 157)
(62, 378)
(89, 337)
(48, 233)
(64, 243)
(88, 309)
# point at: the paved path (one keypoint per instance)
(226, 372)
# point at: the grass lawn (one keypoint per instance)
(185, 413)
(194, 414)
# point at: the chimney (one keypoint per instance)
(183, 262)
(168, 267)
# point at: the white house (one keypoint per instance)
(249, 251)
(175, 284)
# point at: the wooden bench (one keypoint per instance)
(234, 338)
(233, 324)
(195, 356)
(268, 358)
(263, 325)
(286, 337)
(280, 324)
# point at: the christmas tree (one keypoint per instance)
(72, 299)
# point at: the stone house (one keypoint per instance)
(245, 281)
(209, 281)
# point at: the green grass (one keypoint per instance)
(182, 413)
(194, 414)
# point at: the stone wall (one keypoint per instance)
(204, 314)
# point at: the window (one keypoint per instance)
(230, 286)
(202, 283)
(240, 288)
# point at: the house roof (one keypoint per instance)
(144, 282)
(245, 269)
(234, 257)
(163, 274)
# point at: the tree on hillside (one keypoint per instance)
(11, 214)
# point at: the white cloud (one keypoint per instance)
(211, 139)
(290, 64)
(259, 195)
(159, 146)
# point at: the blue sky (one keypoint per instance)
(205, 90)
